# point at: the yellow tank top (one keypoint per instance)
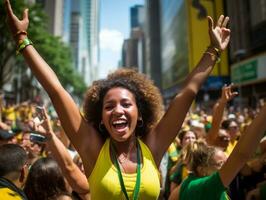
(104, 182)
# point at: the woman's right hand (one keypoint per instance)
(17, 26)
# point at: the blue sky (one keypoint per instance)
(115, 25)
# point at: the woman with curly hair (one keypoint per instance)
(123, 136)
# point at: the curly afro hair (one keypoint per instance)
(148, 99)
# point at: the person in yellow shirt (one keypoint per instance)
(218, 127)
(13, 172)
(232, 128)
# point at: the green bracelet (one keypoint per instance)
(22, 44)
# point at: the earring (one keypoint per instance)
(140, 123)
(101, 126)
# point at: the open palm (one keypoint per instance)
(219, 35)
(44, 127)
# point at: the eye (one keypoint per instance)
(126, 105)
(108, 107)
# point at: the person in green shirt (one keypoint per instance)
(210, 171)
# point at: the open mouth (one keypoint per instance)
(120, 125)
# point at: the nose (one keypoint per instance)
(118, 110)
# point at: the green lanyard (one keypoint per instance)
(120, 177)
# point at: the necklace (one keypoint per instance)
(124, 157)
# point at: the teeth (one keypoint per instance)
(119, 122)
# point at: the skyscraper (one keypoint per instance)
(54, 10)
(90, 13)
(136, 16)
(77, 22)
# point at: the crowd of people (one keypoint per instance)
(122, 144)
(205, 141)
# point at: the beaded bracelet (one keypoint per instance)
(216, 55)
(22, 44)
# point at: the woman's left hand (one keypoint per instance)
(219, 35)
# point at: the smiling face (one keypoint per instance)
(120, 113)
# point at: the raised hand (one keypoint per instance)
(16, 25)
(227, 93)
(219, 35)
(44, 127)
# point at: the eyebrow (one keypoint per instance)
(111, 100)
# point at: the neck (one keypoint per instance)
(125, 147)
(16, 182)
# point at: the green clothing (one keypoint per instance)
(262, 191)
(179, 174)
(207, 188)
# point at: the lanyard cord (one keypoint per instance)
(120, 177)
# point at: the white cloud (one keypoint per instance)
(111, 40)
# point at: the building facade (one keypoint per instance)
(248, 49)
(133, 49)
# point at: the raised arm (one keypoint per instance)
(82, 135)
(170, 124)
(72, 173)
(244, 149)
(1, 104)
(218, 110)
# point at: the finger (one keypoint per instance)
(220, 20)
(34, 126)
(9, 8)
(225, 22)
(228, 92)
(224, 87)
(210, 22)
(31, 124)
(234, 94)
(227, 95)
(45, 114)
(26, 14)
(233, 86)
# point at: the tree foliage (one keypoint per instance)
(53, 50)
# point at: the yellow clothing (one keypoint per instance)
(172, 152)
(230, 147)
(104, 182)
(9, 113)
(7, 194)
(184, 173)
